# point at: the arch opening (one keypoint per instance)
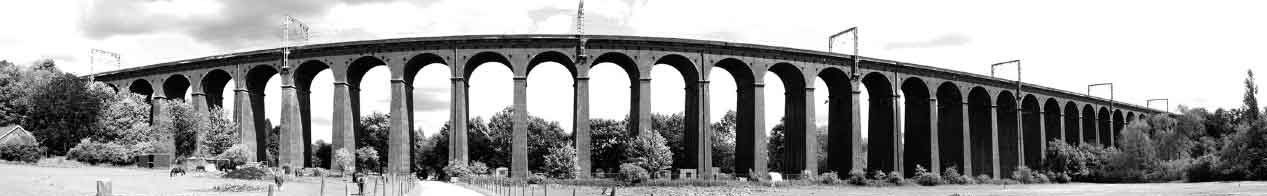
(980, 109)
(950, 133)
(916, 138)
(881, 136)
(839, 141)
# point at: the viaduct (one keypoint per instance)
(951, 118)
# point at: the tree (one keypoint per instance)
(124, 117)
(367, 159)
(672, 128)
(608, 138)
(11, 90)
(561, 162)
(373, 132)
(61, 111)
(219, 133)
(723, 140)
(649, 151)
(1251, 112)
(321, 156)
(182, 126)
(776, 146)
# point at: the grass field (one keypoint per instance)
(1210, 188)
(80, 181)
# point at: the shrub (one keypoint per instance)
(1024, 175)
(238, 153)
(343, 160)
(248, 173)
(59, 161)
(91, 152)
(22, 153)
(984, 178)
(649, 151)
(479, 168)
(631, 173)
(857, 177)
(238, 188)
(878, 175)
(951, 176)
(1204, 169)
(1064, 178)
(457, 169)
(895, 178)
(1041, 178)
(923, 177)
(536, 179)
(829, 178)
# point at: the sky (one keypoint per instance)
(1194, 53)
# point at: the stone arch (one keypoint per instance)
(882, 138)
(481, 58)
(1051, 121)
(142, 87)
(1031, 134)
(1073, 133)
(749, 141)
(1088, 125)
(1008, 133)
(839, 120)
(303, 78)
(1119, 122)
(950, 129)
(981, 132)
(798, 134)
(916, 138)
(691, 110)
(417, 62)
(626, 63)
(552, 56)
(213, 84)
(1130, 117)
(1105, 129)
(256, 79)
(175, 86)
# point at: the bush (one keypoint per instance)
(343, 160)
(457, 169)
(984, 179)
(895, 178)
(22, 153)
(248, 173)
(829, 178)
(59, 161)
(236, 154)
(923, 177)
(536, 179)
(951, 176)
(857, 177)
(238, 188)
(479, 168)
(91, 152)
(634, 174)
(649, 151)
(1023, 174)
(878, 175)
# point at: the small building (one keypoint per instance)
(16, 135)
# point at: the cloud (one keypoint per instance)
(431, 99)
(225, 23)
(944, 40)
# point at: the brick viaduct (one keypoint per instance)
(952, 118)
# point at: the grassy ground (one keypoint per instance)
(18, 179)
(1211, 188)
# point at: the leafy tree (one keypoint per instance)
(1251, 112)
(61, 111)
(12, 89)
(723, 140)
(776, 146)
(321, 155)
(367, 159)
(672, 128)
(124, 117)
(373, 131)
(182, 126)
(219, 133)
(649, 151)
(561, 162)
(608, 138)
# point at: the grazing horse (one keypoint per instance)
(177, 170)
